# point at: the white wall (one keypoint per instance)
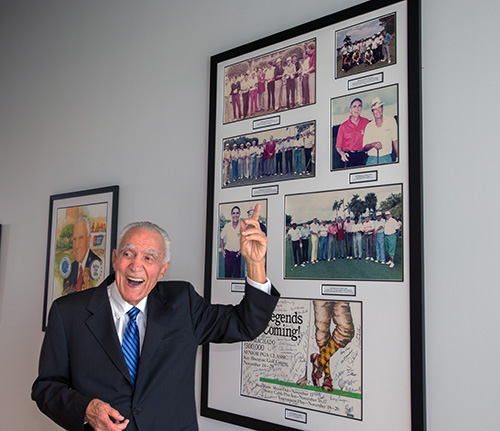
(95, 93)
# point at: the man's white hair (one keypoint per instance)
(85, 219)
(150, 226)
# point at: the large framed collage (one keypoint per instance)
(321, 126)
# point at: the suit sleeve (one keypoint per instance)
(232, 323)
(52, 390)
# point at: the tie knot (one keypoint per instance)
(132, 313)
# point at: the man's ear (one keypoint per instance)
(113, 258)
(163, 270)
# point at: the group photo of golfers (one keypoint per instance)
(352, 234)
(279, 154)
(366, 46)
(271, 83)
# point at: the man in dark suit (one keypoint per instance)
(79, 277)
(84, 382)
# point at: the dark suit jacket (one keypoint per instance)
(81, 356)
(73, 275)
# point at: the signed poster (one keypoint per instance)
(309, 356)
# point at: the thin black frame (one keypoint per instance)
(414, 183)
(114, 192)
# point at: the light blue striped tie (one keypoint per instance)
(130, 345)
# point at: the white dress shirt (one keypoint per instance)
(119, 309)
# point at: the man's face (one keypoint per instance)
(356, 109)
(379, 217)
(138, 264)
(81, 241)
(315, 220)
(378, 112)
(235, 215)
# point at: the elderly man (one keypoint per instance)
(332, 238)
(349, 143)
(235, 98)
(279, 73)
(386, 46)
(323, 240)
(314, 229)
(308, 147)
(294, 236)
(269, 153)
(381, 136)
(86, 261)
(226, 156)
(368, 229)
(305, 233)
(122, 355)
(391, 229)
(270, 85)
(357, 236)
(234, 163)
(290, 73)
(379, 225)
(348, 224)
(340, 238)
(246, 85)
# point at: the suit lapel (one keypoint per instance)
(102, 326)
(158, 319)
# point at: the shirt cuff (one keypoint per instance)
(265, 287)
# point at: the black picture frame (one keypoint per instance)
(405, 74)
(82, 227)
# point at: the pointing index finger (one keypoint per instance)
(256, 212)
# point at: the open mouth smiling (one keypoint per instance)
(134, 282)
